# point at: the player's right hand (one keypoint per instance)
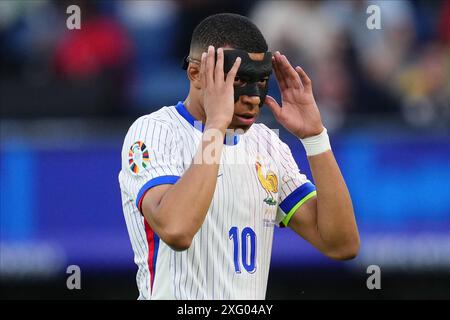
(218, 90)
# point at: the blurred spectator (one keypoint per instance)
(58, 72)
(162, 32)
(425, 88)
(152, 26)
(301, 29)
(444, 23)
(100, 52)
(380, 52)
(156, 78)
(101, 45)
(27, 38)
(333, 86)
(377, 55)
(306, 34)
(126, 58)
(362, 71)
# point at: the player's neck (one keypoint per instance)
(195, 108)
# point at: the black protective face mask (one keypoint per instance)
(250, 73)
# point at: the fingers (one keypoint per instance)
(278, 75)
(218, 74)
(291, 77)
(273, 106)
(306, 81)
(203, 70)
(214, 69)
(210, 65)
(285, 71)
(232, 73)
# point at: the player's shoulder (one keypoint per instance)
(165, 117)
(268, 139)
(260, 130)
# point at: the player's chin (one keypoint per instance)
(241, 128)
(243, 122)
(236, 126)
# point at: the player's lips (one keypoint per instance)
(247, 118)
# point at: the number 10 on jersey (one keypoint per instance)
(244, 243)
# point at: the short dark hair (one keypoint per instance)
(228, 29)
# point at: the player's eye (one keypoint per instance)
(262, 82)
(238, 82)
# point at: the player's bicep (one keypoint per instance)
(304, 223)
(151, 202)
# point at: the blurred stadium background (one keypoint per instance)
(68, 97)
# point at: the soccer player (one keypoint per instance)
(203, 185)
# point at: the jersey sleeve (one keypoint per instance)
(295, 188)
(150, 157)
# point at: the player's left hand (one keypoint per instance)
(299, 112)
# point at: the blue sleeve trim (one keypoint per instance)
(153, 183)
(297, 195)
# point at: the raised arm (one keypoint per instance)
(176, 212)
(327, 220)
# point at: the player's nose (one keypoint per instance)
(251, 100)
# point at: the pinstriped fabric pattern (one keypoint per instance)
(207, 269)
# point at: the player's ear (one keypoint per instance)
(193, 73)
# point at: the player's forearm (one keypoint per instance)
(335, 217)
(183, 208)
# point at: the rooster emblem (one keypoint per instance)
(269, 182)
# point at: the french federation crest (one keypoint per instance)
(138, 157)
(269, 182)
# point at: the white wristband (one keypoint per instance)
(317, 144)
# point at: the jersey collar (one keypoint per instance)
(180, 107)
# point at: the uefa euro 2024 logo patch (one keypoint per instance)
(138, 157)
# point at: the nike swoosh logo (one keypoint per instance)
(220, 175)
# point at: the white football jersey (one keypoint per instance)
(258, 186)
